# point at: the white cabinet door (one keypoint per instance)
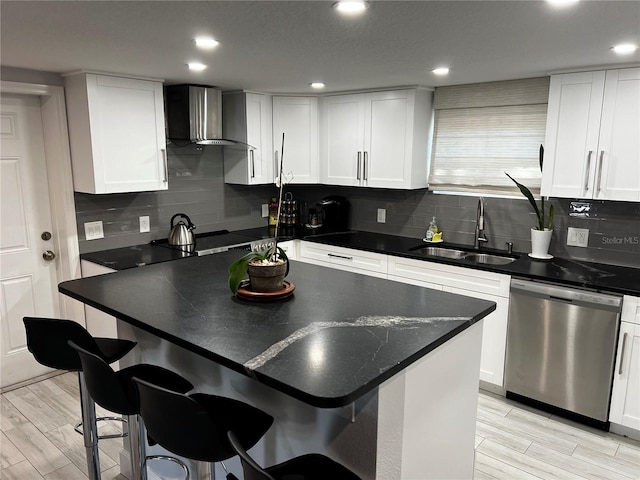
(116, 132)
(376, 139)
(494, 336)
(592, 148)
(247, 117)
(473, 283)
(297, 118)
(618, 174)
(342, 139)
(625, 396)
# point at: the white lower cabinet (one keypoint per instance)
(625, 396)
(290, 247)
(472, 283)
(356, 261)
(98, 323)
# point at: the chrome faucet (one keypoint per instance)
(480, 236)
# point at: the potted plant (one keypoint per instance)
(266, 269)
(541, 234)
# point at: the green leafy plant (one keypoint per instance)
(542, 222)
(238, 269)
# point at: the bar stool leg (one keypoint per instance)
(138, 446)
(90, 430)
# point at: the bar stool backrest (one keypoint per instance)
(250, 468)
(195, 426)
(47, 340)
(104, 385)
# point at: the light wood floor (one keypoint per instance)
(37, 440)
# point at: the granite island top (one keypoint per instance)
(339, 336)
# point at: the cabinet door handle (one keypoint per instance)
(624, 342)
(359, 160)
(253, 164)
(339, 256)
(600, 161)
(275, 170)
(166, 167)
(586, 173)
(364, 170)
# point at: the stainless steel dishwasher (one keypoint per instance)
(561, 346)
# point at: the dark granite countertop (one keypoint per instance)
(598, 276)
(610, 278)
(339, 336)
(136, 256)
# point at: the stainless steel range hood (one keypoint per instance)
(194, 114)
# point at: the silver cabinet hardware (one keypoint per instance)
(624, 343)
(253, 164)
(359, 161)
(166, 167)
(600, 169)
(339, 256)
(364, 170)
(586, 173)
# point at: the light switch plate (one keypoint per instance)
(382, 215)
(93, 230)
(144, 224)
(577, 237)
(265, 210)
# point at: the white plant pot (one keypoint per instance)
(540, 240)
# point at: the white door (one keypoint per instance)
(27, 281)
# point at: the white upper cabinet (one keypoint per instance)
(297, 118)
(116, 133)
(246, 117)
(593, 126)
(378, 139)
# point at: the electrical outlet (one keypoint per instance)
(144, 224)
(93, 230)
(382, 215)
(578, 237)
(265, 210)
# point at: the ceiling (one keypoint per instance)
(281, 47)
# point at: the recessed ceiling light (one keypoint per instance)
(317, 85)
(350, 6)
(441, 71)
(562, 3)
(624, 48)
(196, 66)
(206, 42)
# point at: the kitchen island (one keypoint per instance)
(379, 375)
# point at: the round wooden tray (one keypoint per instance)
(244, 292)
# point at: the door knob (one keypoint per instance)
(48, 255)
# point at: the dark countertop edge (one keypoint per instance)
(315, 401)
(503, 269)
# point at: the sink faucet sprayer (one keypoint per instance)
(480, 236)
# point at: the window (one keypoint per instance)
(483, 130)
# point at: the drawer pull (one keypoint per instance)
(624, 342)
(339, 256)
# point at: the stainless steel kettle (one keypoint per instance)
(181, 234)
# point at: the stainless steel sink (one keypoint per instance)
(488, 259)
(442, 252)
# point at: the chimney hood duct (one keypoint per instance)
(194, 114)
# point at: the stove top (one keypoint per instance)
(216, 242)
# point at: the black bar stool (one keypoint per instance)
(47, 340)
(312, 466)
(116, 392)
(194, 426)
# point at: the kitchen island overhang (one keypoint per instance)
(342, 339)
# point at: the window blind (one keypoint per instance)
(483, 130)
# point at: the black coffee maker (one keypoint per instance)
(335, 213)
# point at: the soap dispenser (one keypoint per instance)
(433, 229)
